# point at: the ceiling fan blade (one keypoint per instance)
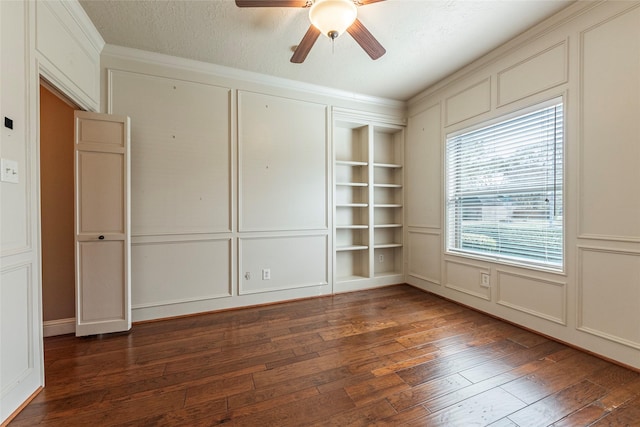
(272, 3)
(305, 45)
(366, 40)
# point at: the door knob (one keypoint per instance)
(101, 237)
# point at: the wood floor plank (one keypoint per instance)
(556, 406)
(300, 412)
(438, 403)
(461, 361)
(383, 357)
(427, 391)
(626, 415)
(585, 416)
(553, 378)
(480, 410)
(203, 393)
(375, 389)
(363, 416)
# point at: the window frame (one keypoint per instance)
(502, 259)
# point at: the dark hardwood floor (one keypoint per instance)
(391, 356)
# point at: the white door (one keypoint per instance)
(102, 217)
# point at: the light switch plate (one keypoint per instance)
(9, 171)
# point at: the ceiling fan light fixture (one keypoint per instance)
(333, 17)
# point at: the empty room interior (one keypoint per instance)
(323, 212)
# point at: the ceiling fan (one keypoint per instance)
(328, 17)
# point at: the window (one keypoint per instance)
(505, 189)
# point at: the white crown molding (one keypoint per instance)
(82, 19)
(153, 58)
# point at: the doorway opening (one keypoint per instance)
(57, 218)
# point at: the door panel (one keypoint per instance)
(101, 132)
(101, 192)
(102, 218)
(100, 265)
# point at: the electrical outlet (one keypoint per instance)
(266, 274)
(485, 280)
(381, 258)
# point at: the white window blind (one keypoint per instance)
(505, 189)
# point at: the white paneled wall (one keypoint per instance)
(180, 153)
(68, 50)
(229, 178)
(55, 40)
(589, 55)
(282, 146)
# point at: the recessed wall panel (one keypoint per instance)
(465, 278)
(424, 169)
(609, 294)
(57, 39)
(16, 200)
(292, 262)
(180, 153)
(539, 297)
(541, 71)
(172, 272)
(283, 163)
(424, 257)
(16, 354)
(468, 103)
(610, 146)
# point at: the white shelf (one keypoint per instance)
(352, 205)
(352, 227)
(351, 248)
(351, 163)
(387, 245)
(352, 184)
(387, 205)
(387, 225)
(387, 165)
(350, 278)
(388, 185)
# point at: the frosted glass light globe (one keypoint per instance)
(333, 17)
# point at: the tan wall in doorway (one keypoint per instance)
(56, 181)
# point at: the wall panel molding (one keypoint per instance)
(181, 271)
(608, 144)
(69, 49)
(469, 102)
(465, 277)
(283, 164)
(603, 276)
(539, 297)
(294, 261)
(422, 242)
(423, 168)
(544, 70)
(17, 351)
(181, 159)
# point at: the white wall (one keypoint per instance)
(231, 175)
(56, 40)
(590, 55)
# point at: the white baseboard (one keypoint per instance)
(52, 328)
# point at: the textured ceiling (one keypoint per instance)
(425, 40)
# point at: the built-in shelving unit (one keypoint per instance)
(368, 201)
